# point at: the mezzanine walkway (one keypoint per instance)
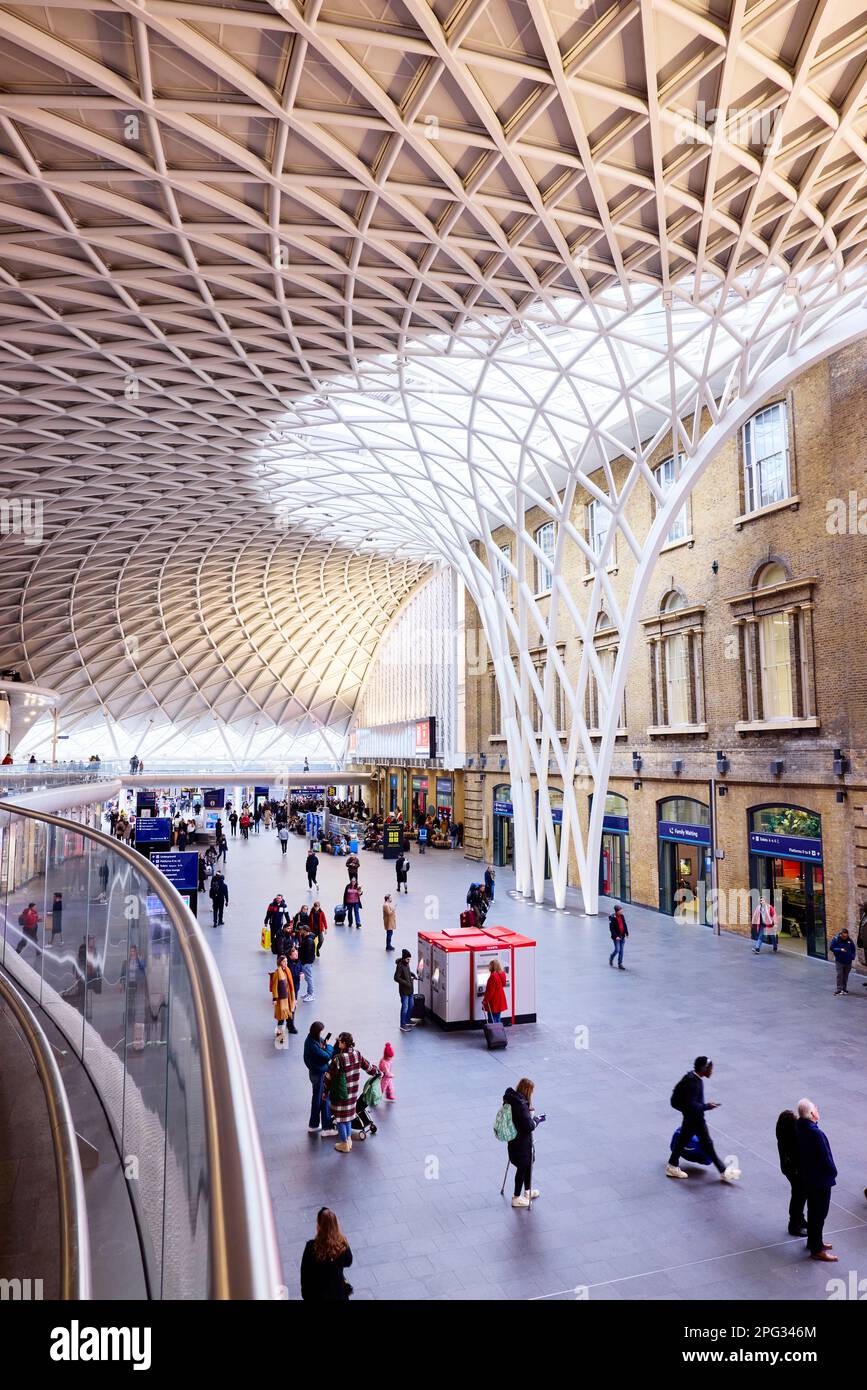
(420, 1201)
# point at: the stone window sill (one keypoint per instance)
(775, 726)
(675, 545)
(787, 504)
(590, 575)
(675, 730)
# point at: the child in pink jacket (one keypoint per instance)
(387, 1074)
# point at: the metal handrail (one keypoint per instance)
(75, 1280)
(243, 1247)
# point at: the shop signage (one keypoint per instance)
(684, 834)
(153, 829)
(214, 798)
(786, 847)
(616, 825)
(145, 801)
(181, 870)
(444, 786)
(392, 841)
(503, 808)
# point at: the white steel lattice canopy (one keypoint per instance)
(295, 298)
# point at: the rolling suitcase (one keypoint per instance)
(468, 918)
(339, 916)
(418, 1007)
(495, 1035)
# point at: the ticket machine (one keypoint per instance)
(454, 968)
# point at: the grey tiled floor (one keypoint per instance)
(420, 1201)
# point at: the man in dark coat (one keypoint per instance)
(619, 932)
(818, 1175)
(843, 950)
(401, 868)
(403, 977)
(219, 895)
(688, 1098)
(311, 868)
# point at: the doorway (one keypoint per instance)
(504, 826)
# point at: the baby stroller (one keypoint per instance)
(368, 1099)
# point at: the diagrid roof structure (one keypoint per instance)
(296, 297)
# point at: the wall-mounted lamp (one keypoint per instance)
(841, 795)
(841, 762)
(677, 766)
(777, 766)
(483, 760)
(502, 763)
(636, 762)
(714, 564)
(636, 786)
(471, 762)
(722, 764)
(722, 791)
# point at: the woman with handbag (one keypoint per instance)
(343, 1083)
(324, 1260)
(283, 994)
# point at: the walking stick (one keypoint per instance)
(505, 1175)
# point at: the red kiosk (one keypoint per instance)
(453, 972)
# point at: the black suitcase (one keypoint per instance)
(495, 1035)
(339, 916)
(417, 1006)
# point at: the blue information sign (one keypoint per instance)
(150, 830)
(616, 825)
(214, 798)
(503, 808)
(684, 834)
(181, 869)
(786, 847)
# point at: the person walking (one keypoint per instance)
(219, 895)
(843, 951)
(244, 823)
(386, 1071)
(404, 976)
(494, 1001)
(317, 1059)
(257, 819)
(765, 922)
(688, 1098)
(222, 849)
(352, 902)
(57, 920)
(283, 993)
(283, 837)
(28, 921)
(521, 1149)
(389, 921)
(490, 877)
(353, 864)
(343, 1082)
(307, 957)
(401, 868)
(324, 1261)
(818, 1175)
(619, 932)
(787, 1148)
(311, 868)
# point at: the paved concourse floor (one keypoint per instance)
(420, 1201)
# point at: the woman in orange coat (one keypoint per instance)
(283, 994)
(495, 1002)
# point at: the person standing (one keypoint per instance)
(283, 994)
(843, 951)
(389, 921)
(219, 895)
(323, 1263)
(318, 924)
(818, 1174)
(352, 902)
(283, 837)
(317, 1059)
(525, 1121)
(343, 1082)
(619, 932)
(494, 1001)
(311, 868)
(307, 957)
(787, 1148)
(688, 1098)
(422, 838)
(404, 976)
(401, 868)
(490, 877)
(57, 919)
(765, 922)
(353, 864)
(233, 823)
(257, 819)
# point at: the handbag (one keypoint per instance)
(266, 938)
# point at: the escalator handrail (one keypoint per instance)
(75, 1268)
(243, 1244)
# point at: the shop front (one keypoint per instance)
(504, 826)
(419, 798)
(445, 798)
(556, 799)
(786, 867)
(684, 848)
(393, 792)
(614, 879)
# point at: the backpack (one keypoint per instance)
(504, 1125)
(678, 1095)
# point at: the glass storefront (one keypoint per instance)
(504, 825)
(556, 799)
(419, 799)
(445, 797)
(614, 879)
(786, 866)
(684, 848)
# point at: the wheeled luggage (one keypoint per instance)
(417, 1006)
(469, 919)
(495, 1035)
(339, 915)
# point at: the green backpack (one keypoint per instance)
(504, 1125)
(372, 1093)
